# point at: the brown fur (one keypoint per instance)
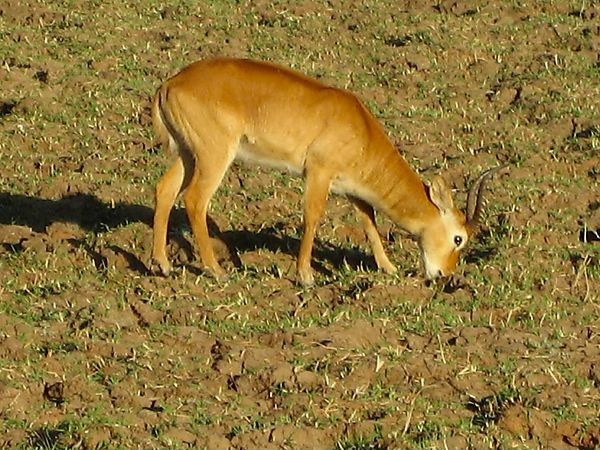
(216, 110)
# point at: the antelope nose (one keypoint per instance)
(440, 274)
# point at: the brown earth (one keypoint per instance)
(95, 352)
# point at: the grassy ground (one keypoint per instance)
(96, 353)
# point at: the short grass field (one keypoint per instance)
(96, 352)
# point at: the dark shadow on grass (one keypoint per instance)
(482, 250)
(84, 210)
(273, 241)
(91, 214)
(46, 438)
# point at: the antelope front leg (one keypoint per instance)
(315, 197)
(367, 215)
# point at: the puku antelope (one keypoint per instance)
(219, 110)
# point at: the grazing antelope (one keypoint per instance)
(218, 110)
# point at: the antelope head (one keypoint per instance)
(447, 234)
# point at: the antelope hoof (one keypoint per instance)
(218, 274)
(306, 278)
(222, 277)
(388, 268)
(160, 267)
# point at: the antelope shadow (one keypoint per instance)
(84, 210)
(92, 214)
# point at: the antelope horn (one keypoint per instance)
(475, 196)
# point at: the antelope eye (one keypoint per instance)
(458, 240)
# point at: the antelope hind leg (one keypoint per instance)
(167, 190)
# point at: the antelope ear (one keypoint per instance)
(440, 194)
